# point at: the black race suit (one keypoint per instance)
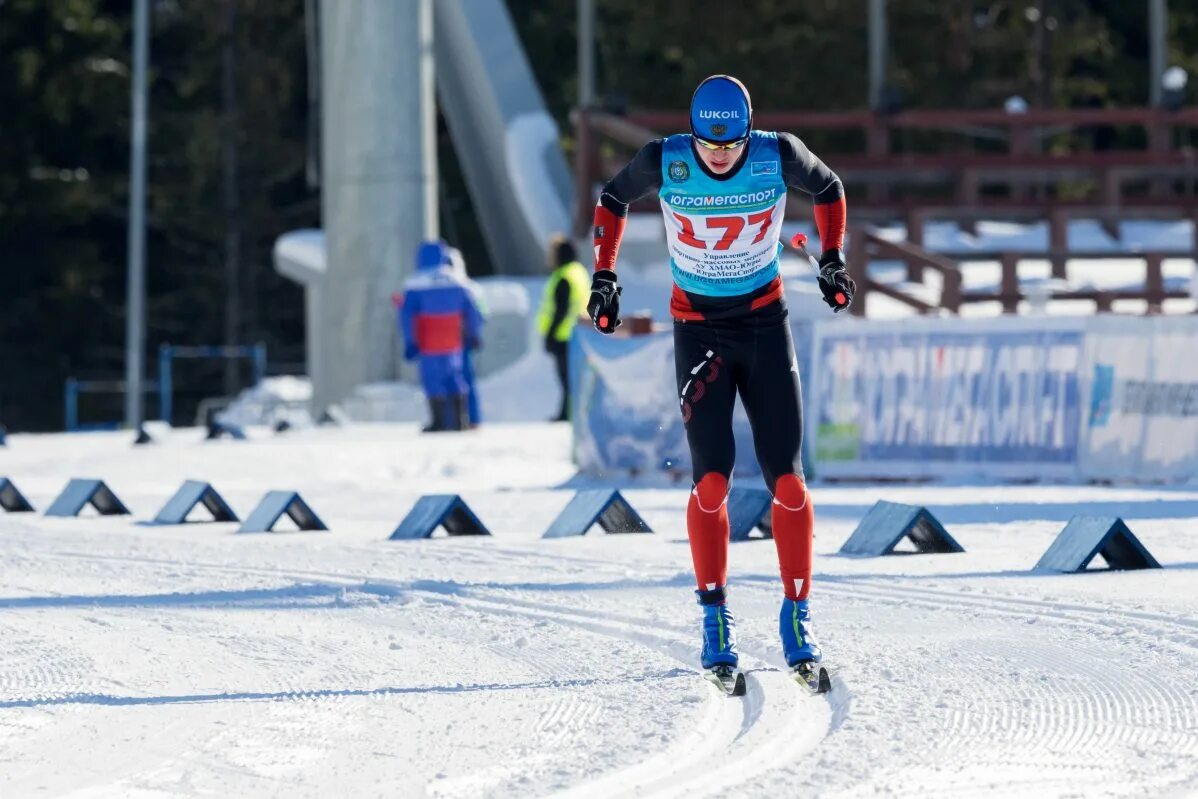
(729, 345)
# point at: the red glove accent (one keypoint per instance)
(609, 229)
(830, 220)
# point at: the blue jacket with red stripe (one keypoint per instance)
(439, 315)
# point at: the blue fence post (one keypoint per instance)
(71, 404)
(259, 363)
(164, 382)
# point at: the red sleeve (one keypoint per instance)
(830, 220)
(609, 229)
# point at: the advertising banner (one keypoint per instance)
(626, 414)
(1142, 388)
(1097, 397)
(933, 397)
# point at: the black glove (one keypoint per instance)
(604, 305)
(834, 281)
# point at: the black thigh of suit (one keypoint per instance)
(751, 355)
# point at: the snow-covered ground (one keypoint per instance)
(138, 660)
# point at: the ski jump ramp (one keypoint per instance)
(507, 142)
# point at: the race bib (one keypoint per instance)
(727, 252)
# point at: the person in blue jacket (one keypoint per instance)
(440, 321)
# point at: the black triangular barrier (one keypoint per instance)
(749, 509)
(218, 430)
(332, 415)
(1086, 536)
(190, 494)
(607, 507)
(79, 493)
(439, 510)
(11, 499)
(272, 507)
(887, 523)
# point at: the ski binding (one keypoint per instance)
(728, 679)
(812, 676)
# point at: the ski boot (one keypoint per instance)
(802, 653)
(719, 656)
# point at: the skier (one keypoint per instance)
(722, 189)
(440, 322)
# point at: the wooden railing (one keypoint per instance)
(1058, 216)
(1159, 181)
(866, 246)
(886, 183)
(1019, 131)
(1010, 294)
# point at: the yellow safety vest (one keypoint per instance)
(579, 279)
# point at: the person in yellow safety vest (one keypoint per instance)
(565, 300)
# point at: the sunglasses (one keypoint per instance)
(710, 145)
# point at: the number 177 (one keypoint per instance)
(731, 225)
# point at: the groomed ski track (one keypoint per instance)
(150, 661)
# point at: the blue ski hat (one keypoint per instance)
(431, 255)
(721, 110)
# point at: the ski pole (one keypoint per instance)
(799, 242)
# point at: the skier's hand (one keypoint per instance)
(834, 281)
(604, 305)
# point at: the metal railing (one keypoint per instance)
(167, 353)
(73, 388)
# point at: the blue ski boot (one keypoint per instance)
(794, 623)
(719, 656)
(799, 646)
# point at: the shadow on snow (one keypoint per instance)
(281, 598)
(111, 700)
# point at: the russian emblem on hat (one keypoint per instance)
(723, 100)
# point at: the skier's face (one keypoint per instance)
(719, 158)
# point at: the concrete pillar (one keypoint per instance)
(378, 189)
